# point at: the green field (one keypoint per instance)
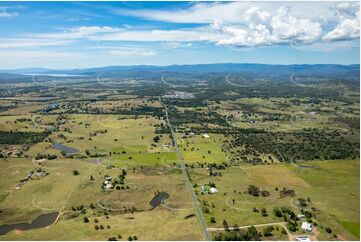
(333, 188)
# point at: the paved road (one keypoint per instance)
(185, 174)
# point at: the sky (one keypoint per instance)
(67, 35)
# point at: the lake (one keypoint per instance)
(41, 221)
(68, 150)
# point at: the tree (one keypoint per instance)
(277, 212)
(75, 172)
(253, 233)
(328, 230)
(264, 212)
(156, 139)
(253, 190)
(86, 220)
(302, 202)
(268, 231)
(225, 225)
(213, 220)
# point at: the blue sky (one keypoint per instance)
(88, 34)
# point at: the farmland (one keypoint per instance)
(261, 158)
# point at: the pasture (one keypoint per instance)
(63, 191)
(333, 188)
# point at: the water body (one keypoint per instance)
(158, 199)
(52, 74)
(68, 150)
(42, 221)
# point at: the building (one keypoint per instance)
(306, 226)
(303, 238)
(213, 190)
(206, 136)
(188, 135)
(40, 173)
(301, 216)
(108, 185)
(178, 95)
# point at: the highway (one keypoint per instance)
(185, 174)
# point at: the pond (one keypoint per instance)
(41, 221)
(66, 149)
(158, 199)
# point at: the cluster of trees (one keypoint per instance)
(353, 122)
(308, 144)
(239, 235)
(255, 191)
(45, 156)
(83, 108)
(290, 217)
(195, 117)
(17, 137)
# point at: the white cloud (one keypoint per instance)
(282, 28)
(263, 23)
(132, 52)
(152, 35)
(233, 12)
(176, 44)
(30, 54)
(79, 32)
(348, 26)
(25, 43)
(286, 27)
(197, 13)
(5, 13)
(235, 24)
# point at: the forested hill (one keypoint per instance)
(347, 72)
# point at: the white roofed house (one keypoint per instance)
(206, 136)
(303, 239)
(213, 190)
(306, 226)
(108, 185)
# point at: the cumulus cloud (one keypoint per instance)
(348, 26)
(262, 29)
(236, 24)
(262, 23)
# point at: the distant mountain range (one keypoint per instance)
(143, 71)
